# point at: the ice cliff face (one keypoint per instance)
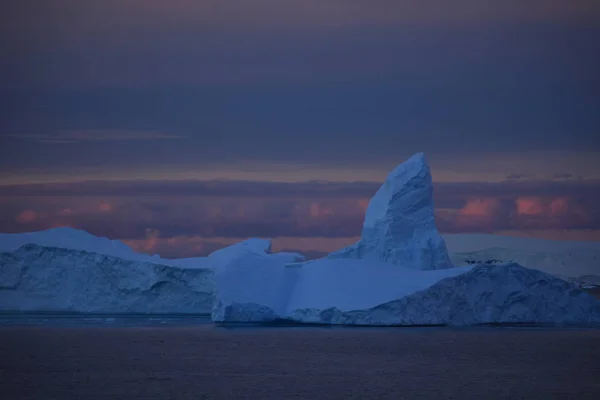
(399, 226)
(37, 278)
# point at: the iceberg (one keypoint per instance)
(398, 273)
(39, 278)
(356, 292)
(399, 226)
(487, 294)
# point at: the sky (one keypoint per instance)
(185, 125)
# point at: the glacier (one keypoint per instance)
(399, 226)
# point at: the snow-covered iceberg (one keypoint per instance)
(398, 273)
(399, 226)
(37, 278)
(356, 292)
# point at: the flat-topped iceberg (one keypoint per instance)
(399, 226)
(37, 278)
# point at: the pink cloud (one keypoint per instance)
(66, 212)
(480, 213)
(27, 216)
(531, 206)
(317, 210)
(149, 244)
(105, 207)
(363, 204)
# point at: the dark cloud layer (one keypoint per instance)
(444, 192)
(344, 82)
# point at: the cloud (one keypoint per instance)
(151, 240)
(105, 207)
(481, 214)
(530, 206)
(26, 217)
(91, 135)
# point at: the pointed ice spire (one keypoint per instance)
(399, 226)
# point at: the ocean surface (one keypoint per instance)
(74, 356)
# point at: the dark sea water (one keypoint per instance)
(98, 320)
(54, 319)
(74, 356)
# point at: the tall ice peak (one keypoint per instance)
(399, 226)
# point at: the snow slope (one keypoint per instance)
(399, 226)
(38, 278)
(561, 258)
(364, 293)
